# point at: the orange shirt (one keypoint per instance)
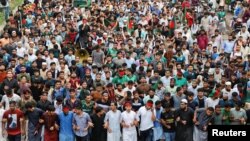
(2, 76)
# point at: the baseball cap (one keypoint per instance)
(184, 101)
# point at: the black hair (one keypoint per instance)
(98, 109)
(28, 105)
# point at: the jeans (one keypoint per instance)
(14, 137)
(147, 135)
(169, 136)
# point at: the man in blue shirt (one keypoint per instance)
(228, 46)
(65, 119)
(81, 123)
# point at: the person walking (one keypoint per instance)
(14, 119)
(65, 120)
(184, 118)
(112, 123)
(33, 115)
(81, 123)
(129, 121)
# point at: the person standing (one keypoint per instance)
(158, 131)
(50, 119)
(15, 123)
(184, 118)
(168, 122)
(202, 118)
(33, 115)
(238, 115)
(65, 120)
(147, 116)
(1, 118)
(98, 132)
(112, 123)
(81, 124)
(9, 96)
(129, 120)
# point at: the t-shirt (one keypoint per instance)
(13, 121)
(7, 99)
(168, 117)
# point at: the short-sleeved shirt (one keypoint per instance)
(82, 122)
(13, 121)
(7, 99)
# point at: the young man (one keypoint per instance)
(112, 123)
(49, 119)
(1, 118)
(147, 117)
(66, 130)
(81, 123)
(202, 118)
(33, 115)
(15, 123)
(129, 121)
(98, 131)
(168, 123)
(184, 118)
(9, 95)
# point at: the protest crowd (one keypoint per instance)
(124, 70)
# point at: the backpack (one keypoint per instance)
(3, 2)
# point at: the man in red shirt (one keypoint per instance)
(15, 123)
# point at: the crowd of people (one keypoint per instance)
(130, 70)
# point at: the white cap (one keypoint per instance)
(44, 63)
(228, 83)
(184, 101)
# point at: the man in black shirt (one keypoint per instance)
(168, 123)
(98, 131)
(184, 118)
(43, 103)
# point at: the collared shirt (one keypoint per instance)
(82, 122)
(228, 46)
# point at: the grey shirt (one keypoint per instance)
(82, 122)
(98, 58)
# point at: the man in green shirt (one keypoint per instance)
(180, 80)
(113, 50)
(130, 76)
(226, 114)
(120, 78)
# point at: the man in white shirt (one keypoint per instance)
(213, 99)
(31, 56)
(52, 59)
(9, 96)
(147, 114)
(20, 51)
(129, 120)
(194, 88)
(228, 90)
(112, 123)
(244, 33)
(1, 118)
(166, 79)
